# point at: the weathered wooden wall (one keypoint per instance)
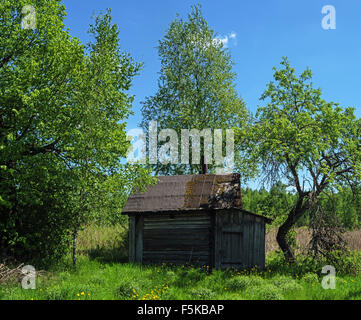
(136, 238)
(239, 240)
(178, 239)
(220, 239)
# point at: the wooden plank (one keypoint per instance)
(232, 229)
(176, 252)
(184, 258)
(177, 217)
(176, 222)
(251, 242)
(184, 219)
(212, 237)
(180, 247)
(182, 237)
(131, 239)
(178, 262)
(240, 221)
(232, 240)
(175, 227)
(236, 247)
(170, 231)
(263, 245)
(175, 240)
(246, 239)
(218, 241)
(255, 242)
(139, 239)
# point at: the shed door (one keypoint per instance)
(231, 244)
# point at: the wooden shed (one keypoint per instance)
(195, 219)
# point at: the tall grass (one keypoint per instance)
(303, 237)
(102, 273)
(97, 280)
(104, 243)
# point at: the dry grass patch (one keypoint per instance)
(352, 238)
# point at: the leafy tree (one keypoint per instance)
(196, 86)
(102, 94)
(63, 108)
(312, 144)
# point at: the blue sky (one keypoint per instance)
(265, 31)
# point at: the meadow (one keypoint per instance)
(102, 273)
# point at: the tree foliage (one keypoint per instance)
(300, 138)
(196, 87)
(63, 108)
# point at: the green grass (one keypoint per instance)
(96, 280)
(103, 274)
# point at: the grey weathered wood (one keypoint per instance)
(218, 241)
(246, 239)
(262, 249)
(227, 238)
(251, 242)
(139, 239)
(131, 239)
(182, 238)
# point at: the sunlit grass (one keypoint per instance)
(94, 280)
(103, 274)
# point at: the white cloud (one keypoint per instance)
(225, 40)
(233, 35)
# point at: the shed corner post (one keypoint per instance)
(131, 238)
(139, 226)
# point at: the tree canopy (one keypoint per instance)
(63, 111)
(196, 88)
(300, 138)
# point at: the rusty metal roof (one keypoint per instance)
(188, 192)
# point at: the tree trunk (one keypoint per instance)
(295, 214)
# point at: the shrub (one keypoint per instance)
(127, 290)
(190, 275)
(171, 276)
(286, 284)
(348, 262)
(202, 294)
(266, 292)
(58, 293)
(310, 277)
(38, 234)
(291, 287)
(97, 280)
(256, 281)
(238, 283)
(280, 281)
